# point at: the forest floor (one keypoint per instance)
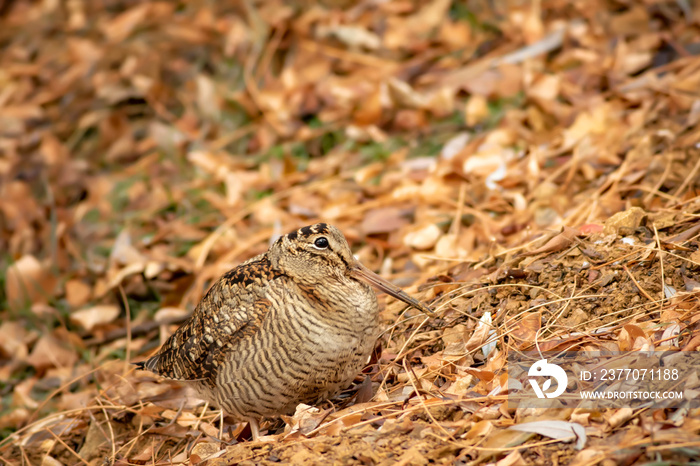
(530, 170)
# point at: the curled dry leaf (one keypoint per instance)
(454, 146)
(619, 417)
(479, 429)
(305, 419)
(557, 243)
(561, 430)
(482, 332)
(629, 335)
(22, 395)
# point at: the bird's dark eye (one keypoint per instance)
(321, 243)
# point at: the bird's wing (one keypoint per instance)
(233, 308)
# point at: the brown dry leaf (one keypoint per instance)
(305, 419)
(14, 339)
(384, 220)
(629, 335)
(123, 25)
(123, 252)
(454, 340)
(94, 316)
(493, 443)
(13, 418)
(79, 400)
(514, 458)
(423, 238)
(52, 351)
(525, 330)
(483, 375)
(477, 110)
(629, 219)
(22, 395)
(409, 32)
(28, 282)
(480, 335)
(561, 241)
(204, 451)
(460, 385)
(77, 293)
(479, 429)
(555, 429)
(619, 417)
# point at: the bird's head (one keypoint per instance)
(317, 253)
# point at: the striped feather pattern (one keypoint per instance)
(293, 325)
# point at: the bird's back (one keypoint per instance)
(230, 312)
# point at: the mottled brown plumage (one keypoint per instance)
(293, 325)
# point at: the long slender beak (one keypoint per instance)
(363, 273)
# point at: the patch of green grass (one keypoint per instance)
(200, 209)
(92, 216)
(428, 147)
(194, 208)
(62, 307)
(301, 156)
(182, 247)
(330, 140)
(6, 408)
(314, 122)
(301, 153)
(150, 306)
(102, 250)
(380, 152)
(460, 11)
(233, 115)
(120, 193)
(117, 353)
(375, 180)
(256, 194)
(275, 152)
(6, 432)
(498, 107)
(24, 372)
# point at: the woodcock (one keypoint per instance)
(293, 325)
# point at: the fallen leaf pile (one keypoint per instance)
(529, 169)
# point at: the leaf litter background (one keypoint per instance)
(530, 169)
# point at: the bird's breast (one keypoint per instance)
(308, 347)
